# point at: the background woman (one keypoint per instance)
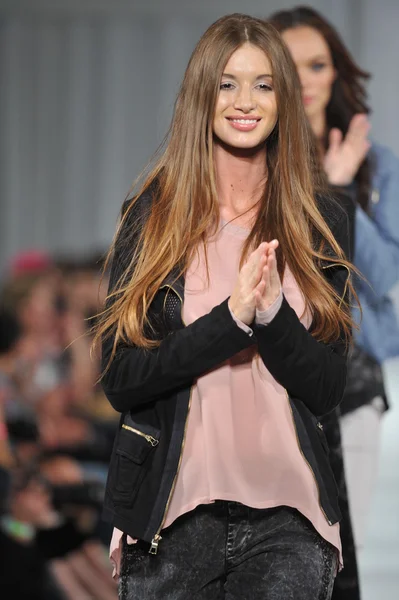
(335, 103)
(224, 338)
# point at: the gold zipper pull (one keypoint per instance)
(154, 544)
(151, 440)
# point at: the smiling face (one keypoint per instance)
(246, 109)
(312, 58)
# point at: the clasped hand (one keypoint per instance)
(258, 284)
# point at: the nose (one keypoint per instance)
(244, 100)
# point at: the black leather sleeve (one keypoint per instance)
(311, 371)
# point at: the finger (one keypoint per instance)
(266, 276)
(335, 139)
(251, 264)
(275, 282)
(256, 254)
(260, 288)
(359, 128)
(253, 274)
(359, 121)
(259, 295)
(273, 245)
(260, 266)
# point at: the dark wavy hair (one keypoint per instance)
(348, 96)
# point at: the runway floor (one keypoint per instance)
(379, 562)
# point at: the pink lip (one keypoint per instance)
(244, 126)
(307, 100)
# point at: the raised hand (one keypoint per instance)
(345, 155)
(242, 302)
(267, 294)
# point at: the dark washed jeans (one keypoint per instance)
(231, 552)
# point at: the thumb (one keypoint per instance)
(335, 139)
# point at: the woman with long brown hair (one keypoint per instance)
(224, 339)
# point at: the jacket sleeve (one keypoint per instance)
(137, 376)
(377, 237)
(312, 371)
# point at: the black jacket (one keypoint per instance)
(151, 388)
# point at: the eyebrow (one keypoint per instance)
(319, 57)
(264, 76)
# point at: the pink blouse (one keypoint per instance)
(241, 442)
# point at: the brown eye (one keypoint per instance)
(265, 87)
(226, 86)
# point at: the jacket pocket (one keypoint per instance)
(131, 461)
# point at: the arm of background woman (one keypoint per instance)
(311, 371)
(377, 238)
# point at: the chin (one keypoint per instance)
(240, 144)
(314, 110)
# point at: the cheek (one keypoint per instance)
(223, 102)
(270, 109)
(275, 111)
(326, 81)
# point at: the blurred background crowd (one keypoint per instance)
(86, 94)
(57, 431)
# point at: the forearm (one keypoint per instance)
(137, 376)
(309, 370)
(376, 257)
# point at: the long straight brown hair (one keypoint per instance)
(185, 211)
(348, 95)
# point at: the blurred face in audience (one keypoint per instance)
(32, 504)
(314, 64)
(38, 313)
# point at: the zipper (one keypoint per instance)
(347, 279)
(320, 426)
(150, 439)
(157, 537)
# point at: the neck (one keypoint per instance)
(318, 124)
(240, 178)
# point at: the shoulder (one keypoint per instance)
(133, 215)
(139, 205)
(384, 160)
(338, 212)
(332, 209)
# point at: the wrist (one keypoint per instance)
(340, 180)
(244, 315)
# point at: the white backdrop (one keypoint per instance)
(87, 90)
